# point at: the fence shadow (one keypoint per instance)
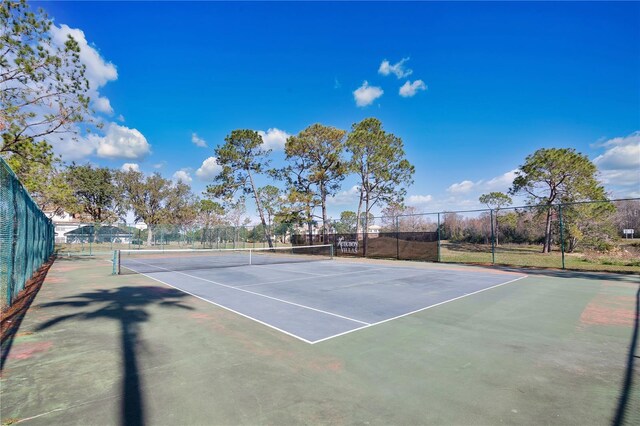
(623, 408)
(127, 307)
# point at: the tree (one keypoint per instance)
(591, 223)
(154, 199)
(378, 159)
(270, 196)
(241, 157)
(556, 175)
(495, 201)
(47, 185)
(94, 190)
(43, 88)
(209, 213)
(318, 165)
(347, 223)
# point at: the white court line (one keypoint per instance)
(417, 310)
(254, 293)
(227, 308)
(306, 278)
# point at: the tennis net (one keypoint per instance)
(148, 261)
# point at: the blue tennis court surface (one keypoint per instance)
(316, 301)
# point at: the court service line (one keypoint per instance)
(254, 293)
(306, 278)
(227, 308)
(417, 310)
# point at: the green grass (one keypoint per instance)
(532, 256)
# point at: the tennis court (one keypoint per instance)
(303, 291)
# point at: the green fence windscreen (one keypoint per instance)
(26, 236)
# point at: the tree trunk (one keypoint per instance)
(267, 231)
(310, 230)
(496, 230)
(547, 233)
(366, 227)
(323, 196)
(358, 216)
(149, 235)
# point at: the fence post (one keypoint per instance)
(439, 237)
(561, 232)
(398, 237)
(493, 240)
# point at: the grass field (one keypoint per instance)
(626, 259)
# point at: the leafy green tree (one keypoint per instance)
(94, 190)
(242, 157)
(378, 159)
(495, 201)
(47, 185)
(347, 222)
(209, 213)
(318, 166)
(556, 175)
(154, 199)
(43, 88)
(589, 223)
(271, 198)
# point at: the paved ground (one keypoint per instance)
(318, 300)
(553, 348)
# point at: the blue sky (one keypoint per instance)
(492, 83)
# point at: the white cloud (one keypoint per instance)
(120, 118)
(209, 169)
(620, 153)
(365, 94)
(98, 71)
(410, 89)
(126, 167)
(160, 165)
(619, 165)
(461, 188)
(274, 138)
(182, 175)
(103, 105)
(500, 183)
(198, 141)
(345, 198)
(71, 147)
(398, 68)
(122, 142)
(418, 200)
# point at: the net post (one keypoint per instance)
(250, 256)
(331, 251)
(116, 262)
(561, 233)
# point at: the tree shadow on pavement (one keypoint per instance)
(126, 306)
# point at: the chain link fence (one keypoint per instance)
(580, 236)
(26, 236)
